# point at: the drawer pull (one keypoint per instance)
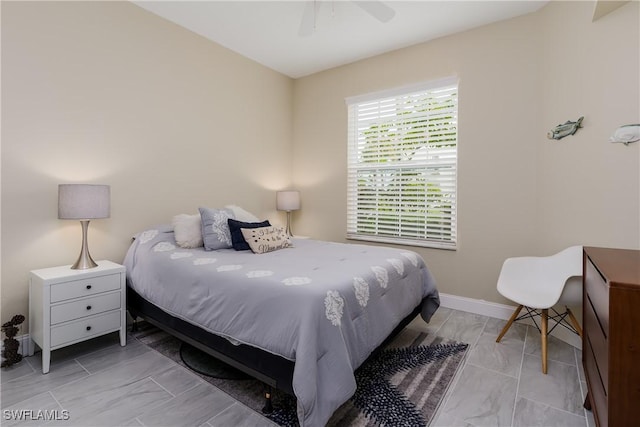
(88, 286)
(88, 328)
(88, 307)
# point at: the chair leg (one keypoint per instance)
(543, 335)
(574, 322)
(509, 323)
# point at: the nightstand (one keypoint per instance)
(69, 306)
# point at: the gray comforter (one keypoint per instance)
(324, 305)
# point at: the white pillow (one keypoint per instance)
(266, 239)
(242, 215)
(187, 230)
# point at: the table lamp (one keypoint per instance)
(84, 202)
(288, 201)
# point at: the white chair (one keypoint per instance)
(539, 283)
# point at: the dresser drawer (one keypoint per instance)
(596, 388)
(598, 290)
(85, 307)
(84, 287)
(85, 328)
(597, 342)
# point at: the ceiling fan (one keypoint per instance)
(375, 8)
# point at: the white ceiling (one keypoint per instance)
(268, 31)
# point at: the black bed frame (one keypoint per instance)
(274, 371)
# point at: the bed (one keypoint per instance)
(301, 319)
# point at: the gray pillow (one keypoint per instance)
(215, 229)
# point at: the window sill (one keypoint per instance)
(404, 242)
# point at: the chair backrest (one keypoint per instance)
(572, 291)
(569, 261)
(539, 282)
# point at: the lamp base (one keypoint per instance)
(84, 260)
(289, 224)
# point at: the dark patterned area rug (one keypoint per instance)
(402, 385)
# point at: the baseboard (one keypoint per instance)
(501, 311)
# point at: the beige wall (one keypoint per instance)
(519, 193)
(109, 93)
(589, 188)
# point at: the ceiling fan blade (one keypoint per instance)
(307, 24)
(377, 9)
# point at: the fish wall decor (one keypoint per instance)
(626, 134)
(565, 129)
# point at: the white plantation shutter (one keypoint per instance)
(402, 165)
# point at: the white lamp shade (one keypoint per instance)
(288, 200)
(84, 201)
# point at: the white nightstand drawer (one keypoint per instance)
(85, 328)
(85, 307)
(84, 287)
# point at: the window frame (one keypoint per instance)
(356, 168)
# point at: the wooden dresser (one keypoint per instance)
(611, 339)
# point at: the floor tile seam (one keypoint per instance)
(447, 396)
(28, 360)
(82, 366)
(551, 360)
(35, 374)
(175, 363)
(480, 334)
(17, 378)
(233, 402)
(239, 403)
(578, 363)
(492, 370)
(154, 405)
(93, 350)
(56, 400)
(160, 385)
(33, 370)
(508, 345)
(553, 407)
(110, 366)
(454, 383)
(233, 399)
(456, 378)
(139, 380)
(583, 392)
(519, 378)
(220, 413)
(199, 379)
(65, 384)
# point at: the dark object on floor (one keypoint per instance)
(377, 401)
(205, 364)
(11, 345)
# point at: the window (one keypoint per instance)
(402, 162)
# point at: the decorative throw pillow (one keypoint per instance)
(237, 239)
(187, 230)
(242, 215)
(266, 239)
(215, 230)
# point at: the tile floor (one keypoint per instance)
(100, 383)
